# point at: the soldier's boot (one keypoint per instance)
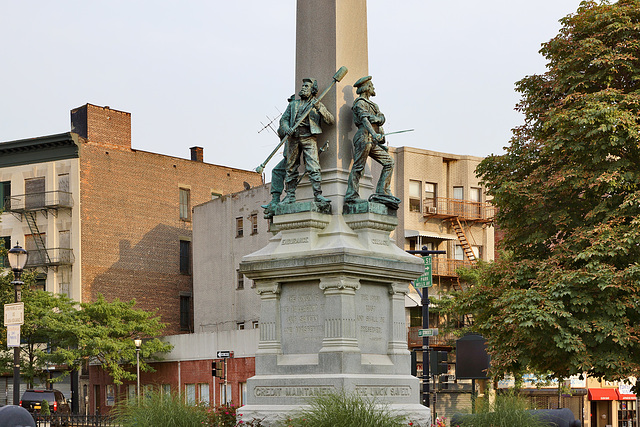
(275, 199)
(317, 193)
(291, 196)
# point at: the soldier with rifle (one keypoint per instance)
(369, 142)
(301, 122)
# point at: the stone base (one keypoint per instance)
(275, 398)
(272, 415)
(297, 207)
(365, 207)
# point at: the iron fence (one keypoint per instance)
(62, 420)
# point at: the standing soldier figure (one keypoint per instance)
(302, 139)
(369, 142)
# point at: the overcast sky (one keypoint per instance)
(209, 72)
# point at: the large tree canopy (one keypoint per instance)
(565, 296)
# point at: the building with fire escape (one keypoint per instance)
(101, 218)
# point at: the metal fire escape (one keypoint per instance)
(26, 207)
(462, 238)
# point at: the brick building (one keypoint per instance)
(99, 217)
(187, 369)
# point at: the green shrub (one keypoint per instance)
(343, 409)
(44, 408)
(158, 409)
(508, 410)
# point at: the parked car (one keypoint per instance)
(32, 401)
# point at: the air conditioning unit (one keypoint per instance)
(432, 210)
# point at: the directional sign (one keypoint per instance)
(428, 332)
(425, 281)
(13, 336)
(14, 314)
(223, 354)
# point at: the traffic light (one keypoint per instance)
(217, 369)
(414, 363)
(439, 364)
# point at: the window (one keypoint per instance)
(34, 190)
(64, 281)
(255, 324)
(190, 394)
(6, 241)
(165, 389)
(225, 394)
(185, 312)
(239, 227)
(458, 204)
(185, 257)
(203, 393)
(458, 253)
(185, 207)
(240, 277)
(242, 388)
(110, 395)
(458, 193)
(476, 195)
(415, 194)
(430, 197)
(64, 246)
(254, 223)
(64, 196)
(240, 326)
(477, 251)
(35, 244)
(131, 392)
(5, 194)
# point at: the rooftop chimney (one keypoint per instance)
(197, 154)
(102, 125)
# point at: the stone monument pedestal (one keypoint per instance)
(332, 318)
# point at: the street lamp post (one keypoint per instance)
(138, 343)
(426, 390)
(17, 260)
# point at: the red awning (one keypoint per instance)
(602, 394)
(625, 396)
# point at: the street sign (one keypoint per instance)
(13, 336)
(14, 314)
(428, 332)
(425, 281)
(223, 354)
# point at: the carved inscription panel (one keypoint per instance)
(302, 317)
(372, 318)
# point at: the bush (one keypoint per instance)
(158, 409)
(507, 410)
(44, 408)
(343, 409)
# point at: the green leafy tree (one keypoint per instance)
(59, 331)
(565, 296)
(106, 334)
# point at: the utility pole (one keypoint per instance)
(426, 388)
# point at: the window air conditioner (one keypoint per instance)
(432, 210)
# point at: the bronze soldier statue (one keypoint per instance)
(369, 142)
(303, 139)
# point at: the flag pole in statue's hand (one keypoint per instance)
(336, 78)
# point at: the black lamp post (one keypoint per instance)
(426, 390)
(138, 343)
(17, 259)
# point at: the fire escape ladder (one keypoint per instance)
(37, 237)
(464, 242)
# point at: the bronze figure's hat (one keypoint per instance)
(361, 81)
